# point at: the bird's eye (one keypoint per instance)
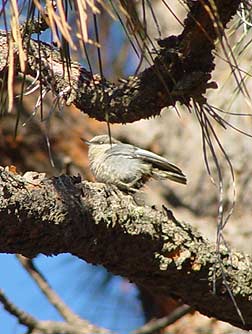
(101, 142)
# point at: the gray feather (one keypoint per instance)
(128, 166)
(132, 152)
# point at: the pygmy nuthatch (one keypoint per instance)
(127, 166)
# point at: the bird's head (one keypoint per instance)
(100, 140)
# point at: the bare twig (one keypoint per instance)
(156, 325)
(23, 317)
(48, 327)
(51, 295)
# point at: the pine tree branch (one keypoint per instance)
(181, 70)
(103, 226)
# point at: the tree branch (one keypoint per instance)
(181, 70)
(104, 226)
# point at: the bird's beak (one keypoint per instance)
(85, 141)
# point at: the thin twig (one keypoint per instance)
(51, 295)
(48, 327)
(23, 317)
(161, 323)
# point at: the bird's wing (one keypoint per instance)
(157, 161)
(132, 152)
(124, 150)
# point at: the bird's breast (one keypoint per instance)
(118, 168)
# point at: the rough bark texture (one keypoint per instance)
(181, 70)
(103, 226)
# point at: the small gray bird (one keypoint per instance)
(127, 166)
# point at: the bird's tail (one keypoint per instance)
(171, 175)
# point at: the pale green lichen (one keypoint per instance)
(164, 262)
(183, 256)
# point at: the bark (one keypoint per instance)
(103, 226)
(181, 70)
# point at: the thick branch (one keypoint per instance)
(181, 71)
(104, 226)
